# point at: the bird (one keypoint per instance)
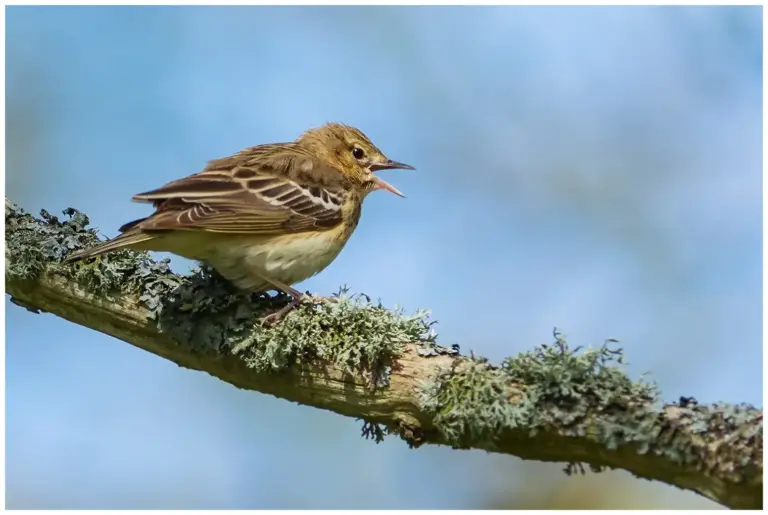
(267, 217)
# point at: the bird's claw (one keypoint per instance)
(273, 318)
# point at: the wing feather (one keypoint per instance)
(270, 189)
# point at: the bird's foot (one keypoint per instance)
(274, 318)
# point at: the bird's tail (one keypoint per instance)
(126, 240)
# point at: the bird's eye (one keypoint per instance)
(358, 153)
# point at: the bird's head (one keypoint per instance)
(350, 152)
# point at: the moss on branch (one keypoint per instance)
(360, 359)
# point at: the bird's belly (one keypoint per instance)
(287, 259)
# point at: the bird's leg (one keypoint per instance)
(296, 298)
(293, 292)
(274, 318)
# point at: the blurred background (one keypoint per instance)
(595, 169)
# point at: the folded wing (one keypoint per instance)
(263, 190)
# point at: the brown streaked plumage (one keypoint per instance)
(267, 217)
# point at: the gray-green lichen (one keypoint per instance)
(206, 314)
(355, 333)
(589, 395)
(34, 246)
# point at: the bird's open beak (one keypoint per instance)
(381, 184)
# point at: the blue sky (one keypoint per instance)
(594, 169)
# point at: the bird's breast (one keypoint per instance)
(289, 258)
(298, 256)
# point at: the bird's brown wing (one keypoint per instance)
(270, 189)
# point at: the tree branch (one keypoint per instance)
(361, 360)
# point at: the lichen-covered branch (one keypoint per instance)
(359, 359)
